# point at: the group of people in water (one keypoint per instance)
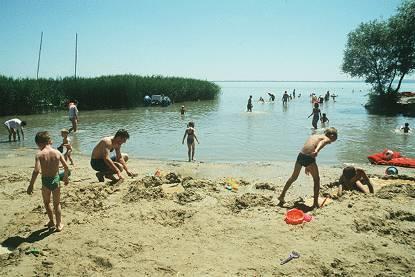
(109, 162)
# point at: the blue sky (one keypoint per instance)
(209, 39)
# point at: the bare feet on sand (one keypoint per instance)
(282, 201)
(50, 224)
(59, 228)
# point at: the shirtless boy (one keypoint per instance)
(47, 162)
(108, 166)
(354, 179)
(307, 158)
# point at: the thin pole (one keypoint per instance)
(76, 52)
(38, 60)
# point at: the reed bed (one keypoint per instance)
(27, 96)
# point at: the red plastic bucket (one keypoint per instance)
(294, 216)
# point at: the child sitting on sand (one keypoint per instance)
(47, 161)
(191, 137)
(307, 158)
(354, 179)
(67, 144)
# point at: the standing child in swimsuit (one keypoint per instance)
(191, 137)
(67, 144)
(316, 113)
(47, 162)
(307, 158)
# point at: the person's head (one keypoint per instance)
(24, 123)
(191, 124)
(324, 115)
(316, 105)
(64, 133)
(120, 137)
(182, 107)
(42, 139)
(331, 133)
(250, 96)
(406, 124)
(349, 172)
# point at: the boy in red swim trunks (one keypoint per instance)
(307, 158)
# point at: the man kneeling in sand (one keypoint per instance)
(108, 166)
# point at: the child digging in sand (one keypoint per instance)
(307, 158)
(47, 162)
(354, 179)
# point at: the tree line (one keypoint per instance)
(27, 96)
(383, 53)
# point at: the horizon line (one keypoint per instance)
(305, 81)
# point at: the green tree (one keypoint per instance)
(383, 51)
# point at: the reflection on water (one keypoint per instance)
(228, 133)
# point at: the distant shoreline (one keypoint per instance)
(276, 81)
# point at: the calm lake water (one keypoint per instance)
(272, 132)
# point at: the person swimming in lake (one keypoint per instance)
(261, 99)
(316, 113)
(285, 97)
(182, 110)
(354, 179)
(191, 137)
(406, 128)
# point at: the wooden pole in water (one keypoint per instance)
(38, 60)
(76, 52)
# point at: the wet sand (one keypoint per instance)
(187, 223)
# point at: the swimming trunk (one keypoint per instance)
(305, 160)
(100, 165)
(51, 182)
(190, 140)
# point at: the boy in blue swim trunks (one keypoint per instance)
(108, 166)
(307, 158)
(47, 162)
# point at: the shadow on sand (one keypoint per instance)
(13, 242)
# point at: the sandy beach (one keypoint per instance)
(186, 223)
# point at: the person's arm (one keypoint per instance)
(121, 160)
(21, 129)
(194, 134)
(320, 146)
(65, 169)
(185, 133)
(111, 164)
(311, 114)
(35, 172)
(366, 181)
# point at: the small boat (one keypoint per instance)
(157, 100)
